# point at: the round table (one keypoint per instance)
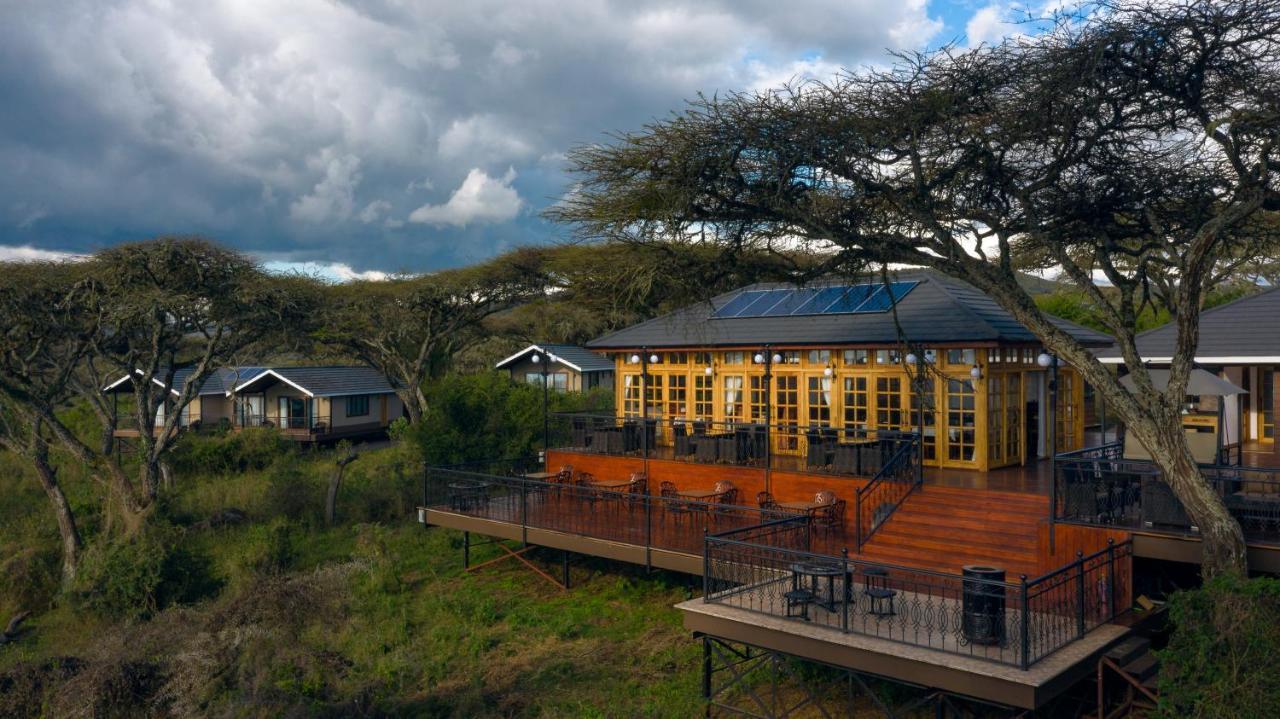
(817, 570)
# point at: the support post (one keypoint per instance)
(1053, 454)
(546, 421)
(564, 567)
(466, 550)
(1080, 593)
(644, 408)
(768, 429)
(1026, 626)
(1111, 578)
(706, 670)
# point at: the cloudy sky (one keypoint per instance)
(376, 135)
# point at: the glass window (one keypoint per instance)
(733, 398)
(819, 356)
(703, 396)
(735, 358)
(854, 358)
(677, 357)
(702, 359)
(889, 413)
(757, 398)
(888, 357)
(359, 406)
(961, 420)
(855, 403)
(961, 357)
(790, 357)
(631, 395)
(819, 390)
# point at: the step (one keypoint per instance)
(1128, 650)
(974, 545)
(911, 525)
(1142, 668)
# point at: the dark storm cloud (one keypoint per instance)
(388, 135)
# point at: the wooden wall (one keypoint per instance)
(785, 486)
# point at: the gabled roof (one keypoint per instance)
(576, 358)
(218, 382)
(323, 381)
(1241, 332)
(939, 309)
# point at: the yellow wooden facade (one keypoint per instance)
(969, 423)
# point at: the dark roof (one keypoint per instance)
(327, 381)
(580, 357)
(1240, 331)
(319, 381)
(939, 309)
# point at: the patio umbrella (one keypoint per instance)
(1201, 382)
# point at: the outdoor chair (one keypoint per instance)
(637, 491)
(672, 503)
(876, 582)
(766, 501)
(586, 489)
(726, 498)
(798, 599)
(830, 518)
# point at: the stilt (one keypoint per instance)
(466, 550)
(564, 567)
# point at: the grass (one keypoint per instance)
(373, 617)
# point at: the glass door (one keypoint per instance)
(786, 412)
(294, 413)
(1267, 404)
(962, 421)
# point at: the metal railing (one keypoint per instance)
(1097, 486)
(497, 490)
(823, 448)
(881, 497)
(764, 569)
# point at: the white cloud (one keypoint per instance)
(333, 271)
(483, 139)
(26, 253)
(374, 210)
(333, 197)
(989, 24)
(479, 200)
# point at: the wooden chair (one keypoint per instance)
(830, 517)
(766, 501)
(637, 490)
(586, 490)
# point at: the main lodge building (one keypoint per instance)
(836, 358)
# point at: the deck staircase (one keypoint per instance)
(945, 528)
(1133, 662)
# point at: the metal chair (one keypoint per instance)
(672, 502)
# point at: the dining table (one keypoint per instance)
(610, 483)
(541, 476)
(701, 494)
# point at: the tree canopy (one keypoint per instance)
(1129, 141)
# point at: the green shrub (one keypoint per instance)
(1219, 661)
(270, 548)
(291, 492)
(135, 578)
(224, 452)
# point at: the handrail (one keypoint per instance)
(889, 473)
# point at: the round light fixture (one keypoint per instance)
(1044, 360)
(653, 359)
(535, 359)
(828, 371)
(777, 358)
(911, 358)
(635, 359)
(976, 372)
(708, 371)
(759, 358)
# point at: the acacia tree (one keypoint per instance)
(410, 328)
(165, 313)
(1135, 140)
(42, 343)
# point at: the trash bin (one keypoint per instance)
(983, 605)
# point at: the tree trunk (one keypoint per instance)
(62, 511)
(335, 482)
(1222, 540)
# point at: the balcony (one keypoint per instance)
(1097, 486)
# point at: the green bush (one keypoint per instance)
(291, 492)
(270, 548)
(224, 452)
(136, 577)
(1219, 661)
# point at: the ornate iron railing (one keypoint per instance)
(1010, 622)
(1097, 486)
(881, 497)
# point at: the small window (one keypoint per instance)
(856, 357)
(358, 406)
(731, 358)
(961, 357)
(702, 359)
(888, 357)
(790, 357)
(819, 356)
(677, 358)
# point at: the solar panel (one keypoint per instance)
(791, 302)
(737, 304)
(885, 297)
(820, 301)
(850, 299)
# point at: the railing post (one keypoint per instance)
(1026, 625)
(426, 480)
(1111, 579)
(857, 520)
(844, 595)
(648, 529)
(1080, 593)
(706, 567)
